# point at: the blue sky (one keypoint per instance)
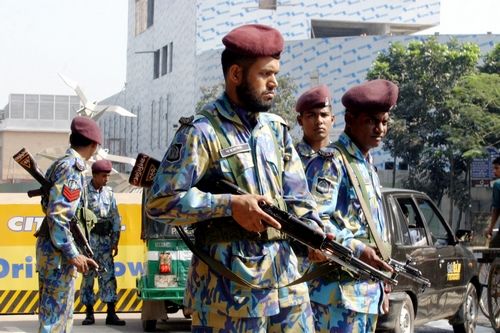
(86, 40)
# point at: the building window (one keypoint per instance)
(131, 136)
(151, 12)
(268, 4)
(62, 107)
(144, 15)
(170, 56)
(156, 64)
(164, 60)
(160, 112)
(138, 127)
(31, 106)
(47, 107)
(152, 132)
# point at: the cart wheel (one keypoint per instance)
(149, 325)
(494, 295)
(484, 269)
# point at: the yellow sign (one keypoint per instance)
(453, 269)
(21, 216)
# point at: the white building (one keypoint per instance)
(35, 122)
(174, 49)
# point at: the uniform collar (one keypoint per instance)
(304, 149)
(352, 149)
(92, 188)
(233, 112)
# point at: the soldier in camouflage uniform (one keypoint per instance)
(236, 139)
(57, 256)
(316, 118)
(104, 237)
(341, 303)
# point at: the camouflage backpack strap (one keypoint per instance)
(362, 194)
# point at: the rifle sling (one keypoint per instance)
(215, 265)
(362, 194)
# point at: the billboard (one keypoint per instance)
(21, 216)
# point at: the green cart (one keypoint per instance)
(166, 264)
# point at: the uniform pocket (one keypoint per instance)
(254, 269)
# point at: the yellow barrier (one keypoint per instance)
(20, 216)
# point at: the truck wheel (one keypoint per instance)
(149, 325)
(405, 320)
(467, 313)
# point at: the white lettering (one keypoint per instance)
(24, 223)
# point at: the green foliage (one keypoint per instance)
(424, 131)
(284, 102)
(491, 60)
(475, 106)
(209, 94)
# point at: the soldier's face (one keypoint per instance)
(367, 129)
(100, 179)
(258, 86)
(316, 123)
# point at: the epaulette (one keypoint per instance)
(186, 120)
(79, 164)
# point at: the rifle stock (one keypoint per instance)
(28, 163)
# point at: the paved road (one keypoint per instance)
(28, 324)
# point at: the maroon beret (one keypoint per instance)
(371, 96)
(102, 166)
(254, 40)
(316, 97)
(87, 128)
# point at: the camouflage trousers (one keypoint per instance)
(338, 319)
(290, 320)
(56, 290)
(106, 280)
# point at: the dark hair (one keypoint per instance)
(77, 140)
(229, 58)
(496, 161)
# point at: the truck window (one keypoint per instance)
(435, 222)
(412, 227)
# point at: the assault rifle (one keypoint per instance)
(334, 251)
(28, 163)
(143, 174)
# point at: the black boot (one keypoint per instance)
(89, 317)
(112, 318)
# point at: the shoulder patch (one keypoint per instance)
(186, 120)
(174, 152)
(71, 190)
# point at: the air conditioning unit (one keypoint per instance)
(268, 4)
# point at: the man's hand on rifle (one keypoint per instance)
(318, 255)
(83, 264)
(369, 256)
(249, 215)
